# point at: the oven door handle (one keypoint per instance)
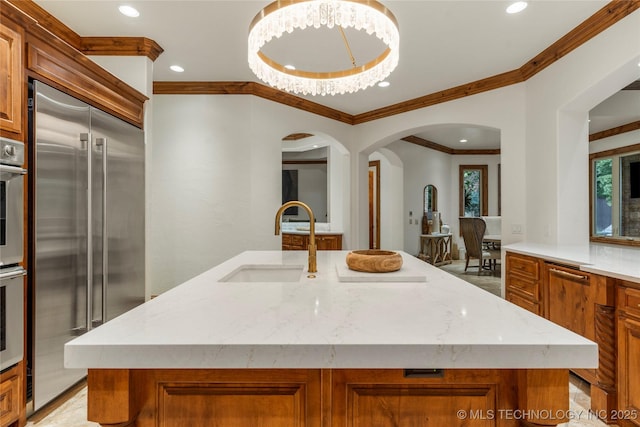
(13, 273)
(11, 171)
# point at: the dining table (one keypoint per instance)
(492, 240)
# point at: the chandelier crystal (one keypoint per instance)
(289, 15)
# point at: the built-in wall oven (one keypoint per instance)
(11, 316)
(11, 252)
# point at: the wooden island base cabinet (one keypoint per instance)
(327, 397)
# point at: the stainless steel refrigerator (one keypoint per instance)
(88, 225)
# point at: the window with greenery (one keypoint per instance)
(473, 190)
(602, 206)
(615, 194)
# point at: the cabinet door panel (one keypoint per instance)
(11, 78)
(9, 400)
(571, 300)
(523, 302)
(229, 406)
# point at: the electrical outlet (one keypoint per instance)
(516, 228)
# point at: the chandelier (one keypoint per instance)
(289, 15)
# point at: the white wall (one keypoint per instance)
(558, 101)
(217, 165)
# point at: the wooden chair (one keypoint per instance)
(472, 230)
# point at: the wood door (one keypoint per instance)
(374, 204)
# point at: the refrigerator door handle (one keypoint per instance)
(102, 142)
(86, 138)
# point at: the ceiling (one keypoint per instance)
(443, 44)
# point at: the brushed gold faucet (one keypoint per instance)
(313, 267)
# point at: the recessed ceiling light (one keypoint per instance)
(289, 67)
(315, 145)
(516, 7)
(129, 11)
(176, 68)
(463, 140)
(384, 84)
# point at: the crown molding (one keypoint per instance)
(452, 151)
(112, 46)
(591, 27)
(607, 16)
(249, 88)
(629, 127)
(121, 46)
(297, 136)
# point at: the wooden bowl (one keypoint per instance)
(374, 261)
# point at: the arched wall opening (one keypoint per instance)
(409, 169)
(337, 200)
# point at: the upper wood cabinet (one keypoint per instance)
(11, 76)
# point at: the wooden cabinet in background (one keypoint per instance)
(300, 242)
(11, 405)
(11, 76)
(523, 282)
(629, 354)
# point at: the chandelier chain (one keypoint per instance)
(346, 43)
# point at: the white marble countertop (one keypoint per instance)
(621, 262)
(303, 228)
(440, 322)
(306, 232)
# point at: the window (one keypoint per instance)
(615, 194)
(473, 190)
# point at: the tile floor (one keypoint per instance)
(72, 412)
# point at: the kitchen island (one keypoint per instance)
(415, 347)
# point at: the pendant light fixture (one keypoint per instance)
(297, 15)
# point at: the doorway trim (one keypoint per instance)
(374, 204)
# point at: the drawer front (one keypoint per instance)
(9, 401)
(524, 286)
(524, 265)
(523, 302)
(629, 300)
(294, 242)
(329, 242)
(298, 240)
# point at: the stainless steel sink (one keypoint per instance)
(265, 273)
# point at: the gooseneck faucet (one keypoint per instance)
(313, 268)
